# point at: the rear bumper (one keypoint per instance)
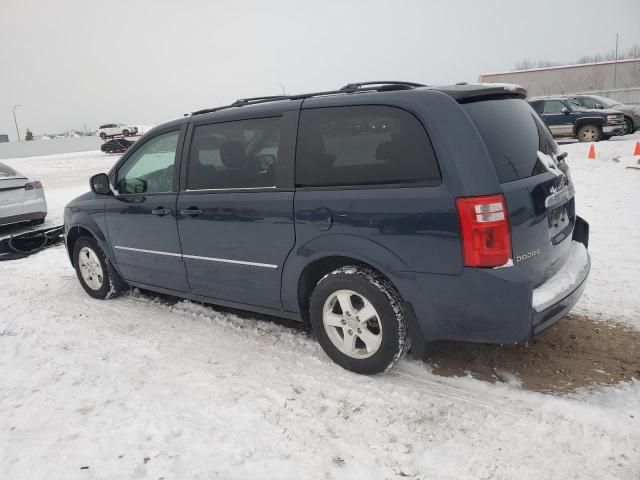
(547, 318)
(24, 217)
(567, 280)
(495, 305)
(27, 209)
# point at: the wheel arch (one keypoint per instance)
(633, 124)
(315, 270)
(85, 226)
(310, 262)
(583, 121)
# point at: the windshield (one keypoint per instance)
(607, 102)
(576, 106)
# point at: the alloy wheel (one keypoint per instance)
(90, 268)
(352, 324)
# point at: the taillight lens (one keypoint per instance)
(484, 225)
(33, 185)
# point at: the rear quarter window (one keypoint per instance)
(363, 145)
(513, 134)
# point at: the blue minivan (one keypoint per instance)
(388, 215)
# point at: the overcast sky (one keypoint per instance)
(77, 62)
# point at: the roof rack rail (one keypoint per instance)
(385, 85)
(272, 98)
(350, 88)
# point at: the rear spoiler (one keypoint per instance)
(470, 92)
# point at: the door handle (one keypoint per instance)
(192, 211)
(161, 211)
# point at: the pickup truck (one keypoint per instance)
(566, 118)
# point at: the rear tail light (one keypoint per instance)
(33, 185)
(486, 235)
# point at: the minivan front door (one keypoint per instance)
(236, 228)
(141, 217)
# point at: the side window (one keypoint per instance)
(587, 102)
(363, 145)
(150, 168)
(240, 154)
(553, 106)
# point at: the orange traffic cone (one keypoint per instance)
(637, 150)
(592, 152)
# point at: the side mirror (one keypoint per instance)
(565, 110)
(100, 184)
(599, 105)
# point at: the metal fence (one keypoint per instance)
(623, 95)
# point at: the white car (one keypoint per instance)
(21, 199)
(111, 129)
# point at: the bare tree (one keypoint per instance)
(633, 52)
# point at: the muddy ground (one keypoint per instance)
(577, 352)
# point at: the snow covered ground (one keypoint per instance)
(608, 197)
(136, 387)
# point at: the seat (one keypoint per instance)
(238, 173)
(202, 175)
(320, 162)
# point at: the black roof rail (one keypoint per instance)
(271, 98)
(350, 88)
(242, 102)
(384, 85)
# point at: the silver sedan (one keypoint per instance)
(21, 198)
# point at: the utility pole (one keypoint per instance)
(615, 65)
(16, 121)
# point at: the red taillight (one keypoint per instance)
(484, 225)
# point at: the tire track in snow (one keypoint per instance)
(235, 323)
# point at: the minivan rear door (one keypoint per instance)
(537, 188)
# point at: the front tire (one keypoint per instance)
(125, 132)
(103, 135)
(628, 127)
(359, 321)
(589, 133)
(93, 269)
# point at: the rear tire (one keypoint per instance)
(589, 133)
(125, 132)
(103, 135)
(359, 321)
(38, 221)
(94, 271)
